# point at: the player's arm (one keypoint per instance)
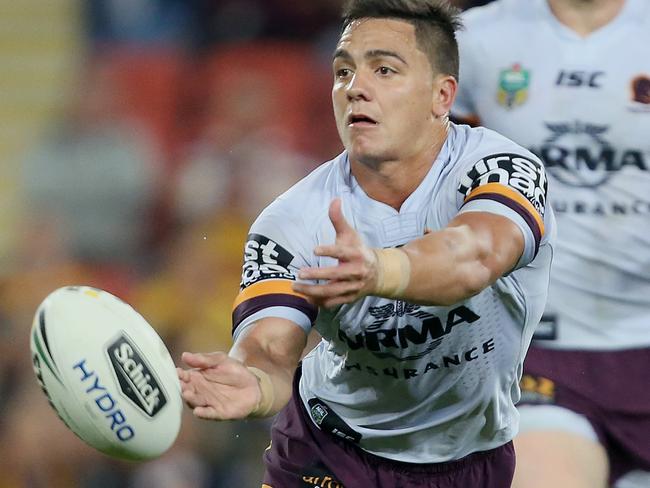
(459, 261)
(253, 380)
(273, 346)
(440, 268)
(271, 323)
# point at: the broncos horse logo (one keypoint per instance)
(382, 313)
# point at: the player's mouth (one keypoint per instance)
(361, 120)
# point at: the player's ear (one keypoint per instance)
(444, 93)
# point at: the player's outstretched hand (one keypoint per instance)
(354, 276)
(218, 387)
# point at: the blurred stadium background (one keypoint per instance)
(138, 140)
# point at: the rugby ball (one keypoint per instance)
(106, 373)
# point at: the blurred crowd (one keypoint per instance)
(187, 118)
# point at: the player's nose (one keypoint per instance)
(358, 88)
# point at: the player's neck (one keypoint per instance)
(585, 16)
(391, 182)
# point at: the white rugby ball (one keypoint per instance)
(106, 372)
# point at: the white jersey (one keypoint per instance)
(408, 382)
(583, 106)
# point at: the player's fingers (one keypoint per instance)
(342, 272)
(337, 251)
(231, 374)
(190, 380)
(340, 300)
(183, 375)
(341, 226)
(211, 413)
(224, 408)
(206, 413)
(328, 290)
(192, 398)
(203, 360)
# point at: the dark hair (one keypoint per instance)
(435, 22)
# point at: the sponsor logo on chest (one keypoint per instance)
(579, 154)
(426, 329)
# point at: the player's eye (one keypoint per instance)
(385, 70)
(342, 72)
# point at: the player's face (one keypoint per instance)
(383, 91)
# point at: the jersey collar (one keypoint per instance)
(632, 11)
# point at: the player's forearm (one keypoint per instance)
(271, 352)
(447, 266)
(275, 388)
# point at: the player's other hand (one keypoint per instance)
(355, 275)
(218, 387)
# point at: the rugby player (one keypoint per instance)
(570, 80)
(421, 255)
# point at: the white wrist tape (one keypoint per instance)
(393, 272)
(264, 406)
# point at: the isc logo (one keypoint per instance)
(590, 79)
